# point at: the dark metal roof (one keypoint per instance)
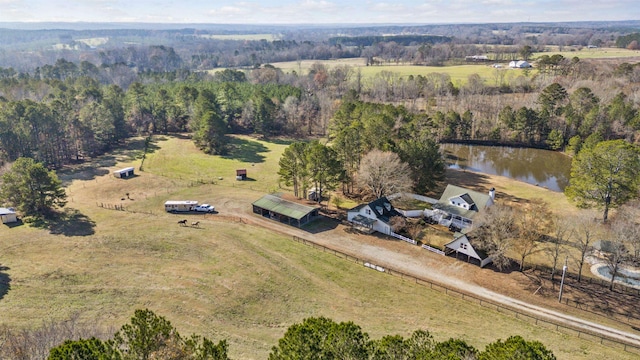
(283, 207)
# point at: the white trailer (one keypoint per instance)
(180, 205)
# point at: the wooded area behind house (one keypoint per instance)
(85, 100)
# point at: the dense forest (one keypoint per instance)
(84, 101)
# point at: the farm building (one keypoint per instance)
(374, 216)
(519, 64)
(124, 173)
(463, 244)
(180, 205)
(276, 208)
(8, 215)
(241, 174)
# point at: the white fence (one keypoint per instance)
(433, 250)
(413, 196)
(411, 213)
(411, 241)
(403, 238)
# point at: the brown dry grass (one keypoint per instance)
(225, 279)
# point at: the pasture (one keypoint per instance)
(458, 73)
(225, 279)
(268, 37)
(586, 53)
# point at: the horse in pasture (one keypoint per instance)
(195, 224)
(182, 222)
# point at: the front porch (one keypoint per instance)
(363, 224)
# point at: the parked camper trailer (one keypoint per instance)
(180, 205)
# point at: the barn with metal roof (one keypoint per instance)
(276, 208)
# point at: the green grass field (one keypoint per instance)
(225, 279)
(459, 73)
(595, 53)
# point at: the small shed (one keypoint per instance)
(180, 205)
(8, 215)
(463, 244)
(124, 173)
(241, 174)
(276, 208)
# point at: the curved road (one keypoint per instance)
(420, 268)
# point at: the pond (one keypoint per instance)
(545, 168)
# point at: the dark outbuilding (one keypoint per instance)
(276, 208)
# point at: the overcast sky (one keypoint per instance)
(317, 11)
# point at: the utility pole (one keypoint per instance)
(564, 271)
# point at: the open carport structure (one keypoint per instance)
(275, 207)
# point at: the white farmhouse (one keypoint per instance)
(374, 216)
(458, 206)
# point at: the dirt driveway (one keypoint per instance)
(417, 262)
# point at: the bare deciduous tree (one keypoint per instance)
(630, 215)
(587, 228)
(398, 223)
(561, 232)
(382, 173)
(616, 253)
(533, 222)
(495, 231)
(623, 236)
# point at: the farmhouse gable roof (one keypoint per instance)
(463, 202)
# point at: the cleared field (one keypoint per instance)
(459, 73)
(226, 279)
(268, 37)
(594, 53)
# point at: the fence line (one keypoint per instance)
(403, 238)
(120, 207)
(432, 249)
(571, 280)
(564, 328)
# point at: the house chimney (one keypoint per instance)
(492, 193)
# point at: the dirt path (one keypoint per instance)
(422, 264)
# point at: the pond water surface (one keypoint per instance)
(543, 168)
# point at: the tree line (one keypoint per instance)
(149, 336)
(363, 137)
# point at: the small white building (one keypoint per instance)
(463, 244)
(124, 173)
(180, 205)
(374, 216)
(521, 64)
(8, 215)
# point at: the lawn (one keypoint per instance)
(225, 279)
